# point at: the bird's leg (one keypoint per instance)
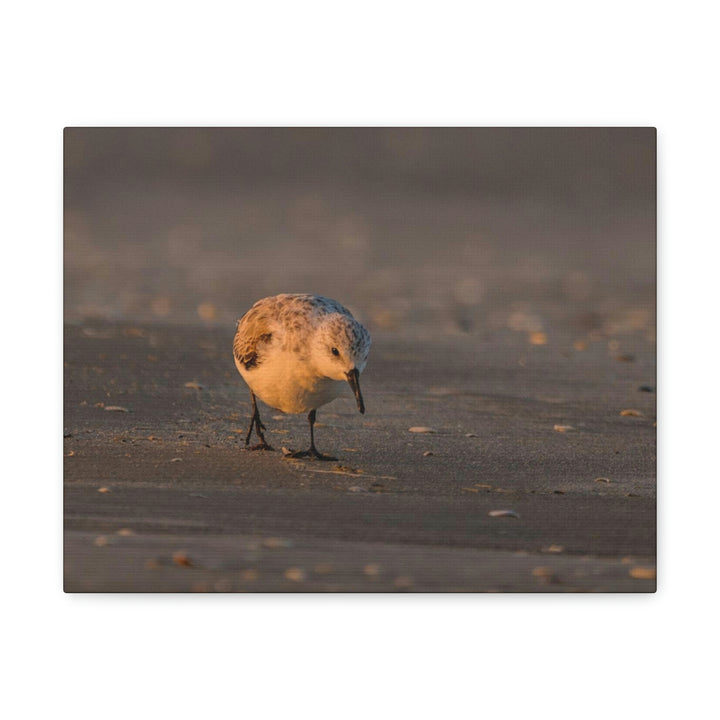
(312, 452)
(256, 422)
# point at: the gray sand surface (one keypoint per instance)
(170, 475)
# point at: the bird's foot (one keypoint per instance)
(312, 453)
(259, 446)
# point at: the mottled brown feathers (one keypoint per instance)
(282, 312)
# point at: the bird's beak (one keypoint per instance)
(353, 378)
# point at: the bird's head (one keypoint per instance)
(340, 351)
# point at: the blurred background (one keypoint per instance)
(417, 230)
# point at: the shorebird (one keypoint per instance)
(296, 352)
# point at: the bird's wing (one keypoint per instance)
(253, 332)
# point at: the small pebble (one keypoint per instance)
(180, 558)
(643, 573)
(503, 513)
(273, 543)
(542, 572)
(294, 574)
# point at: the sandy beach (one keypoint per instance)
(508, 280)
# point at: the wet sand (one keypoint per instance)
(161, 497)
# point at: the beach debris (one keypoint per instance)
(420, 429)
(643, 573)
(563, 428)
(194, 385)
(403, 582)
(503, 513)
(428, 453)
(544, 574)
(273, 543)
(70, 454)
(104, 490)
(603, 480)
(176, 459)
(116, 408)
(470, 435)
(294, 574)
(631, 413)
(181, 558)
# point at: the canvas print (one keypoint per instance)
(372, 359)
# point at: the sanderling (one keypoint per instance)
(295, 352)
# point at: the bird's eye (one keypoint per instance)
(335, 352)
